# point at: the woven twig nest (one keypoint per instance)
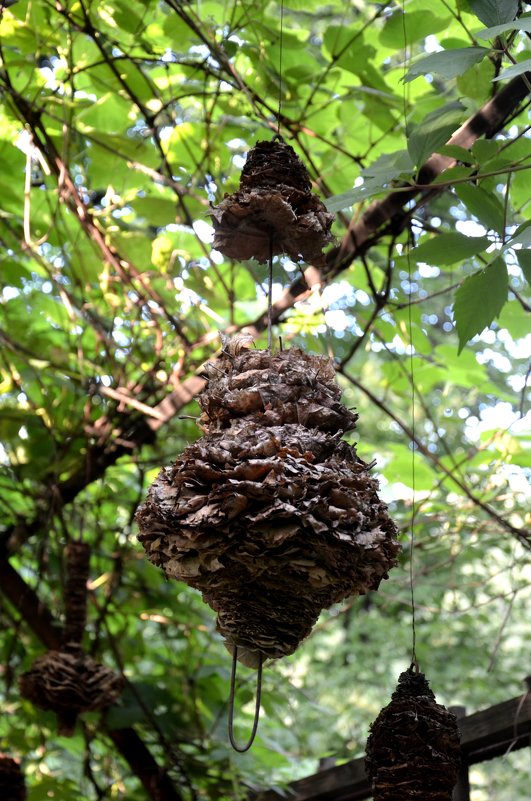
(12, 785)
(274, 211)
(413, 750)
(270, 514)
(290, 387)
(70, 683)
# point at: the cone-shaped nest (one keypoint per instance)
(269, 514)
(274, 211)
(289, 387)
(12, 785)
(413, 750)
(70, 683)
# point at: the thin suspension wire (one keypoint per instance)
(414, 661)
(243, 748)
(413, 477)
(280, 65)
(270, 296)
(277, 136)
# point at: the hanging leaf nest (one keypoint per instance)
(270, 514)
(274, 210)
(12, 784)
(413, 750)
(68, 681)
(68, 684)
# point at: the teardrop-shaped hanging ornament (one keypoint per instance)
(270, 514)
(413, 750)
(69, 681)
(274, 211)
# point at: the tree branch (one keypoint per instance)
(378, 219)
(522, 535)
(365, 233)
(40, 620)
(69, 194)
(36, 615)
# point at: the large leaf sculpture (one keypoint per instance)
(271, 514)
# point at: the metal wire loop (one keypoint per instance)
(242, 749)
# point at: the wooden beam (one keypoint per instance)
(462, 788)
(484, 735)
(496, 730)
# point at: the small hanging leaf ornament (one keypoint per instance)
(69, 681)
(274, 210)
(270, 514)
(413, 750)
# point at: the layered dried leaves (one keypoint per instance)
(274, 212)
(413, 750)
(70, 683)
(271, 515)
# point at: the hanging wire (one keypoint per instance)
(414, 661)
(270, 296)
(280, 66)
(279, 137)
(243, 748)
(413, 477)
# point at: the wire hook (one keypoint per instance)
(242, 749)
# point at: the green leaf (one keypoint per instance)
(475, 82)
(524, 260)
(449, 248)
(456, 152)
(109, 113)
(485, 149)
(494, 12)
(377, 177)
(51, 787)
(433, 131)
(156, 210)
(389, 166)
(520, 24)
(480, 299)
(516, 69)
(514, 319)
(522, 236)
(465, 371)
(347, 49)
(398, 467)
(449, 63)
(453, 175)
(418, 25)
(347, 199)
(126, 18)
(484, 205)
